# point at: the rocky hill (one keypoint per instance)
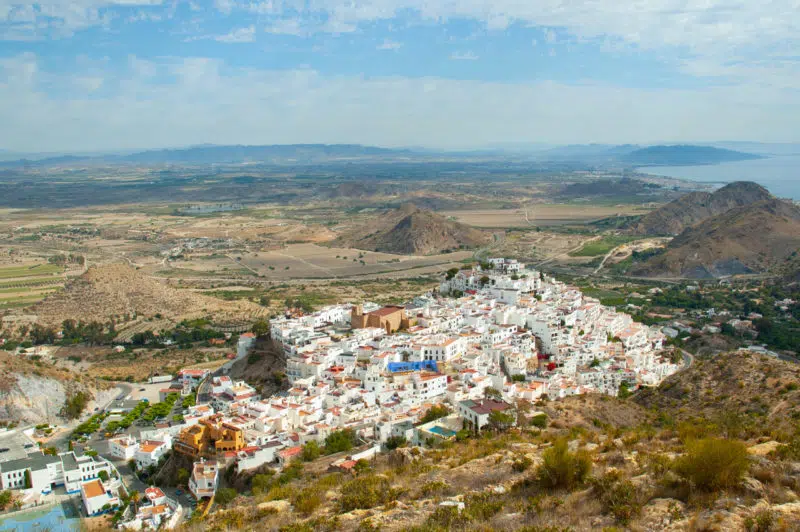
(115, 291)
(35, 392)
(754, 238)
(688, 210)
(761, 393)
(410, 230)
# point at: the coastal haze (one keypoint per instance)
(779, 173)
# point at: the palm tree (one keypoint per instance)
(134, 500)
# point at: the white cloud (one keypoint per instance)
(214, 102)
(239, 35)
(388, 44)
(705, 29)
(464, 56)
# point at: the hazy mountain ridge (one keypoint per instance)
(625, 154)
(684, 154)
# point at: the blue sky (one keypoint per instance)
(129, 74)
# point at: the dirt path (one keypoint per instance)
(312, 265)
(565, 254)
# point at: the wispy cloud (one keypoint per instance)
(464, 56)
(239, 35)
(205, 100)
(388, 44)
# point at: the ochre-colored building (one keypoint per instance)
(391, 318)
(208, 437)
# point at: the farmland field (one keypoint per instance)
(600, 247)
(26, 284)
(540, 214)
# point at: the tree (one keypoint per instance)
(393, 442)
(624, 390)
(435, 412)
(103, 475)
(134, 497)
(340, 441)
(28, 481)
(451, 273)
(492, 393)
(500, 420)
(311, 451)
(182, 476)
(261, 328)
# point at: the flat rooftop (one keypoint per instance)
(18, 446)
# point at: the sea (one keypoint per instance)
(780, 174)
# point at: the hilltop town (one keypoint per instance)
(473, 353)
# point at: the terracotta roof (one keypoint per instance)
(93, 489)
(385, 311)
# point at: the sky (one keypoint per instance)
(98, 75)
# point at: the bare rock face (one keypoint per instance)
(661, 514)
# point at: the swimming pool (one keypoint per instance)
(57, 517)
(442, 431)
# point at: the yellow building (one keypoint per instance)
(210, 436)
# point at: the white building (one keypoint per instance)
(124, 447)
(97, 499)
(204, 479)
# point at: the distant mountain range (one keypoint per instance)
(684, 155)
(601, 154)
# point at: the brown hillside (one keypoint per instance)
(688, 210)
(410, 230)
(117, 290)
(755, 238)
(759, 389)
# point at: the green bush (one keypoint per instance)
(225, 496)
(311, 451)
(563, 469)
(713, 464)
(539, 420)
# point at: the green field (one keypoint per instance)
(30, 271)
(31, 284)
(601, 247)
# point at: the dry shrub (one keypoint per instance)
(562, 469)
(713, 464)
